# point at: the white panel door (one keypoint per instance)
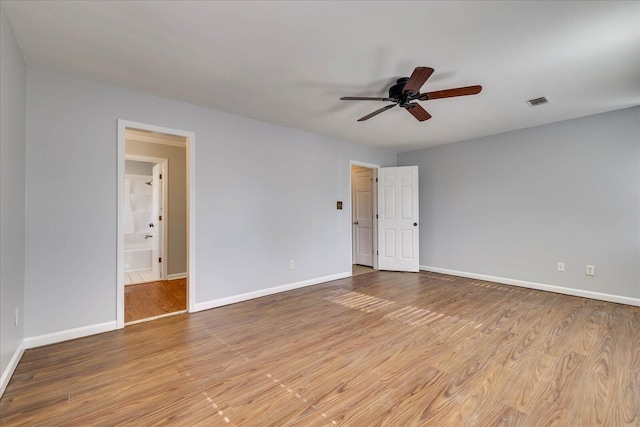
(156, 222)
(398, 228)
(363, 217)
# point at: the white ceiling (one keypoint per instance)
(288, 63)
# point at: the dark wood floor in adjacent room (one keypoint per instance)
(153, 299)
(395, 349)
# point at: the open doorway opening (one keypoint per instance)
(155, 229)
(391, 204)
(363, 223)
(145, 219)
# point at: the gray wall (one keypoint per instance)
(12, 192)
(176, 199)
(513, 205)
(264, 195)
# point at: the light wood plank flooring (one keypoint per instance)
(150, 300)
(393, 349)
(357, 270)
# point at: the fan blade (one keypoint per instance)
(418, 112)
(448, 93)
(362, 98)
(417, 79)
(375, 113)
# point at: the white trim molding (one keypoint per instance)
(539, 286)
(11, 367)
(176, 276)
(199, 306)
(69, 334)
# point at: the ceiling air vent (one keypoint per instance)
(538, 101)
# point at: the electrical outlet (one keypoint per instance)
(561, 266)
(590, 270)
(16, 319)
(292, 264)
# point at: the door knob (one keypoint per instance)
(415, 224)
(355, 222)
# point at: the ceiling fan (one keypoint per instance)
(407, 89)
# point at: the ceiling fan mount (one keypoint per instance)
(407, 89)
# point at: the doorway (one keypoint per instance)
(363, 212)
(145, 219)
(155, 224)
(391, 204)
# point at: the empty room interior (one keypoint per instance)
(218, 213)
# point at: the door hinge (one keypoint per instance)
(376, 179)
(376, 216)
(377, 253)
(160, 176)
(159, 259)
(159, 217)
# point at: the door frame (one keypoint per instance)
(190, 166)
(165, 211)
(374, 168)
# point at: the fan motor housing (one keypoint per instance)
(395, 91)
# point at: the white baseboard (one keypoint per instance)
(176, 276)
(11, 367)
(69, 334)
(199, 306)
(539, 286)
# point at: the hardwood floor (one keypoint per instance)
(392, 349)
(149, 300)
(357, 270)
